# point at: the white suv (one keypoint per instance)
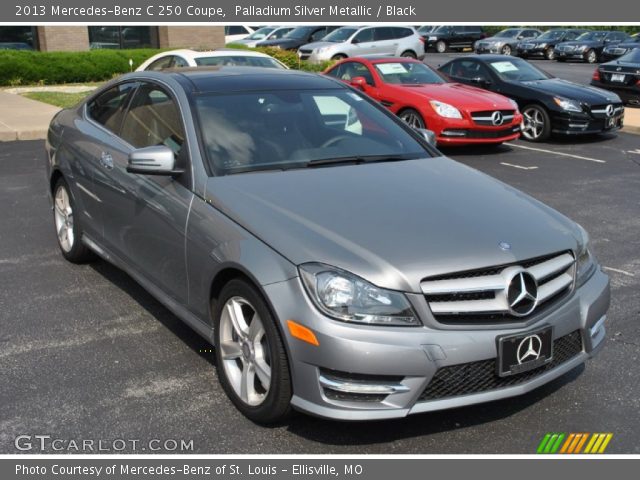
(355, 41)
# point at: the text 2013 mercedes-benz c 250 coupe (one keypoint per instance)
(338, 262)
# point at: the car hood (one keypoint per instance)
(461, 96)
(574, 91)
(314, 45)
(392, 223)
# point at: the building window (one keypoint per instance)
(123, 37)
(17, 38)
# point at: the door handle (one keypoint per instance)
(106, 160)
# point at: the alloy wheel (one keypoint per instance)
(592, 57)
(441, 46)
(412, 118)
(506, 50)
(245, 351)
(534, 123)
(63, 215)
(549, 54)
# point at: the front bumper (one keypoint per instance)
(570, 123)
(410, 357)
(571, 55)
(489, 49)
(532, 52)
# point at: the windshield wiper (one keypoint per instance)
(357, 160)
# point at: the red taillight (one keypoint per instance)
(638, 82)
(596, 75)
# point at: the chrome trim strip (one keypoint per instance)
(362, 388)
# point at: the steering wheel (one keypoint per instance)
(333, 140)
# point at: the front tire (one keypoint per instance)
(409, 54)
(591, 56)
(339, 56)
(412, 118)
(506, 50)
(549, 54)
(537, 123)
(68, 229)
(251, 359)
(441, 46)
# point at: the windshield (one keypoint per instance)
(517, 70)
(340, 35)
(407, 73)
(299, 33)
(268, 130)
(551, 35)
(632, 57)
(261, 33)
(596, 36)
(238, 61)
(510, 33)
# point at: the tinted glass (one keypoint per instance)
(161, 63)
(288, 129)
(443, 29)
(261, 33)
(107, 109)
(384, 33)
(340, 35)
(179, 62)
(17, 38)
(572, 36)
(279, 33)
(122, 37)
(364, 36)
(153, 119)
(407, 73)
(468, 69)
(350, 70)
(592, 36)
(517, 70)
(509, 33)
(551, 35)
(299, 33)
(239, 61)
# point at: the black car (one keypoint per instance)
(611, 52)
(621, 76)
(299, 36)
(588, 46)
(548, 104)
(544, 44)
(506, 41)
(453, 37)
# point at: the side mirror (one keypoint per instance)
(156, 160)
(358, 82)
(428, 135)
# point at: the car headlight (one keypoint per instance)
(445, 110)
(322, 49)
(584, 261)
(346, 297)
(542, 45)
(567, 104)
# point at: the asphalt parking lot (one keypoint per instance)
(85, 353)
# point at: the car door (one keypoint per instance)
(103, 115)
(459, 37)
(147, 214)
(386, 40)
(363, 42)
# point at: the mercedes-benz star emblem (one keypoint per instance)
(529, 349)
(609, 110)
(497, 118)
(522, 294)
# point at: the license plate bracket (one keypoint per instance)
(617, 77)
(525, 351)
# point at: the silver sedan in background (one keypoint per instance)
(338, 262)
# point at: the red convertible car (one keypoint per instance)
(458, 114)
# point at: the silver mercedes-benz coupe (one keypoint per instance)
(339, 264)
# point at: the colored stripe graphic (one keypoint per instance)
(573, 443)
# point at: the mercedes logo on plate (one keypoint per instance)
(497, 118)
(529, 349)
(522, 293)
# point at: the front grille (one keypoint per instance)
(481, 296)
(565, 48)
(477, 377)
(486, 117)
(600, 111)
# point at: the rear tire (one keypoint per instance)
(67, 224)
(251, 360)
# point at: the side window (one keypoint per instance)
(235, 30)
(318, 34)
(365, 35)
(336, 72)
(468, 69)
(446, 69)
(108, 108)
(384, 33)
(571, 36)
(179, 62)
(400, 32)
(153, 118)
(161, 63)
(281, 32)
(351, 70)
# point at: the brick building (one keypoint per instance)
(74, 38)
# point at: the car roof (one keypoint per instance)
(241, 79)
(220, 52)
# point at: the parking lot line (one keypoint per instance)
(553, 152)
(517, 166)
(617, 270)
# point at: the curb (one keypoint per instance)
(633, 129)
(12, 136)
